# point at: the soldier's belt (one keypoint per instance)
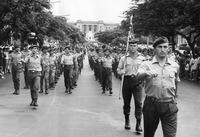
(162, 100)
(33, 71)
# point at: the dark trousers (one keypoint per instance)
(34, 80)
(68, 77)
(44, 80)
(106, 78)
(52, 73)
(16, 77)
(165, 112)
(132, 88)
(26, 79)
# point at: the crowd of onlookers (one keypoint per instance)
(5, 51)
(189, 66)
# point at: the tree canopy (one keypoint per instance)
(167, 18)
(19, 18)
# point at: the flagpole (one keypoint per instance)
(127, 46)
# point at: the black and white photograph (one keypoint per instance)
(99, 68)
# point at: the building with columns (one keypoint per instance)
(89, 28)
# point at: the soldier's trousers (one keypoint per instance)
(68, 76)
(132, 88)
(106, 78)
(16, 77)
(52, 73)
(166, 112)
(44, 80)
(34, 80)
(26, 76)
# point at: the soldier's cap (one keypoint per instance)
(34, 45)
(107, 49)
(159, 41)
(133, 42)
(67, 47)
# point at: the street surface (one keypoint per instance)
(86, 112)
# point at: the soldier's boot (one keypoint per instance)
(32, 102)
(127, 122)
(110, 89)
(35, 103)
(138, 127)
(16, 92)
(69, 90)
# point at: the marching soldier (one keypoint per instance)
(107, 71)
(52, 71)
(26, 53)
(17, 68)
(128, 66)
(68, 62)
(45, 71)
(161, 76)
(34, 63)
(75, 70)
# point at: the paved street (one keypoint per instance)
(84, 113)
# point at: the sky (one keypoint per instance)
(110, 11)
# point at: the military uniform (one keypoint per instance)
(25, 54)
(17, 68)
(45, 72)
(161, 77)
(34, 62)
(131, 86)
(68, 63)
(107, 62)
(52, 71)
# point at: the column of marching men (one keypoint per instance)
(42, 68)
(141, 69)
(105, 61)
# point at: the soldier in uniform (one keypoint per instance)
(161, 77)
(52, 71)
(26, 52)
(128, 66)
(34, 63)
(45, 70)
(68, 62)
(107, 61)
(17, 68)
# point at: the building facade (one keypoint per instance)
(89, 28)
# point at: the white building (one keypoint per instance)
(89, 28)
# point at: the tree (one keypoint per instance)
(168, 18)
(108, 36)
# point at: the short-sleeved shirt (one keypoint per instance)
(34, 63)
(16, 57)
(131, 64)
(67, 59)
(162, 86)
(107, 62)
